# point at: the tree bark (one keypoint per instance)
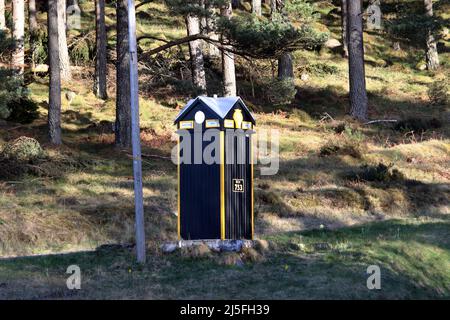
(273, 7)
(285, 66)
(100, 60)
(2, 15)
(196, 54)
(32, 15)
(64, 61)
(123, 104)
(344, 28)
(54, 99)
(358, 94)
(256, 7)
(18, 58)
(228, 67)
(285, 62)
(213, 51)
(432, 56)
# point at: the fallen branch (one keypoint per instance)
(154, 156)
(327, 115)
(378, 121)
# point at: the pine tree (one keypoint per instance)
(64, 61)
(196, 53)
(123, 105)
(358, 94)
(54, 108)
(344, 22)
(256, 7)
(18, 58)
(2, 15)
(228, 67)
(32, 15)
(432, 56)
(101, 56)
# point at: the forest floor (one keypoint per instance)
(328, 214)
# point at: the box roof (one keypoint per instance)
(220, 106)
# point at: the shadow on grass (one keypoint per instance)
(377, 199)
(335, 271)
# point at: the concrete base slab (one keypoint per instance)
(213, 244)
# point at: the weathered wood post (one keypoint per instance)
(135, 135)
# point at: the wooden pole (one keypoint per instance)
(135, 135)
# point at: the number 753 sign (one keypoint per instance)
(238, 185)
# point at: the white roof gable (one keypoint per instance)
(221, 106)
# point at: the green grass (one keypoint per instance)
(90, 203)
(413, 256)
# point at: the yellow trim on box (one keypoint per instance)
(238, 117)
(215, 125)
(222, 185)
(188, 122)
(178, 200)
(252, 193)
(228, 123)
(246, 125)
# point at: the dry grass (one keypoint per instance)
(83, 208)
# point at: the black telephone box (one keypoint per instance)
(215, 169)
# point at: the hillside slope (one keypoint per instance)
(334, 173)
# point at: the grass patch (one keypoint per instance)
(313, 264)
(86, 197)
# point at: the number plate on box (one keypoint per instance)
(238, 185)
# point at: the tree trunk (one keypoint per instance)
(18, 58)
(64, 62)
(123, 104)
(196, 54)
(2, 15)
(285, 66)
(32, 15)
(213, 51)
(285, 62)
(256, 7)
(228, 68)
(273, 7)
(54, 99)
(100, 61)
(344, 28)
(358, 94)
(432, 56)
(203, 22)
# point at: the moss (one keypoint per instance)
(23, 149)
(438, 92)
